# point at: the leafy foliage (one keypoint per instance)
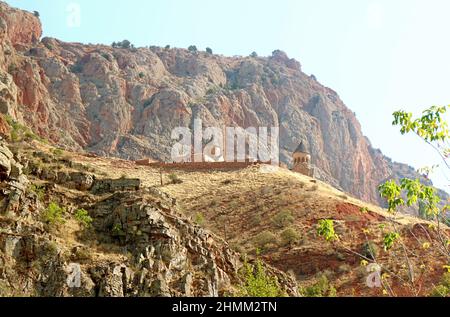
(415, 192)
(19, 132)
(392, 192)
(326, 230)
(54, 214)
(390, 239)
(117, 230)
(430, 126)
(199, 219)
(39, 191)
(82, 216)
(257, 283)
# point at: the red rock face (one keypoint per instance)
(23, 27)
(125, 102)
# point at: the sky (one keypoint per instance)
(378, 55)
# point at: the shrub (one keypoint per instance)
(344, 268)
(255, 220)
(283, 219)
(124, 44)
(167, 47)
(107, 57)
(254, 54)
(209, 50)
(322, 288)
(370, 250)
(54, 214)
(76, 68)
(36, 14)
(14, 136)
(290, 236)
(389, 240)
(212, 91)
(117, 231)
(82, 216)
(30, 136)
(257, 283)
(58, 152)
(325, 229)
(12, 68)
(265, 239)
(141, 75)
(199, 219)
(174, 179)
(18, 131)
(192, 49)
(39, 191)
(440, 291)
(443, 289)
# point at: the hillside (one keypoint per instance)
(124, 102)
(191, 237)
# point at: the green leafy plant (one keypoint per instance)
(199, 219)
(18, 131)
(117, 230)
(54, 214)
(390, 239)
(257, 283)
(431, 126)
(392, 192)
(326, 230)
(82, 216)
(39, 191)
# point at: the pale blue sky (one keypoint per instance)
(379, 55)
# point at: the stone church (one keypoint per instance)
(302, 161)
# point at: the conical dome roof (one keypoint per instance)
(301, 148)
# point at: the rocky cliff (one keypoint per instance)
(138, 244)
(124, 102)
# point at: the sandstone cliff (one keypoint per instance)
(124, 102)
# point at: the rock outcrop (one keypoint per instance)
(125, 102)
(139, 244)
